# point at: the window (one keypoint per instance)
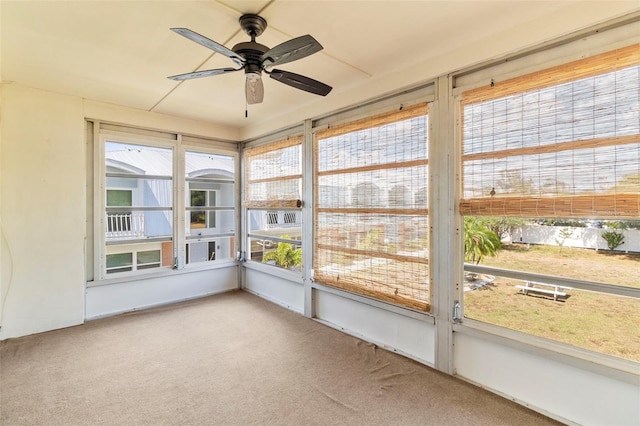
(142, 200)
(138, 203)
(371, 216)
(273, 190)
(203, 219)
(545, 157)
(210, 205)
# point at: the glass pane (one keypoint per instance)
(143, 192)
(602, 251)
(212, 166)
(198, 198)
(596, 321)
(272, 223)
(208, 250)
(210, 183)
(149, 256)
(287, 255)
(138, 159)
(211, 222)
(119, 260)
(198, 220)
(119, 197)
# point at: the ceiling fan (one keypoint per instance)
(254, 58)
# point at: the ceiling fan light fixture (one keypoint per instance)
(254, 89)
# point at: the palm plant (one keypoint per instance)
(479, 241)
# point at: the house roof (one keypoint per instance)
(158, 162)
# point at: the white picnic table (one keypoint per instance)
(553, 289)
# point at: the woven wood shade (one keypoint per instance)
(563, 142)
(273, 175)
(371, 215)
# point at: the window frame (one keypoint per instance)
(386, 115)
(179, 146)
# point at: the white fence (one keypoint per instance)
(579, 237)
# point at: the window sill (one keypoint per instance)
(286, 274)
(163, 272)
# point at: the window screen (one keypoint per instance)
(371, 216)
(563, 142)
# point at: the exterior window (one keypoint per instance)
(138, 207)
(210, 207)
(203, 219)
(371, 216)
(139, 211)
(119, 262)
(551, 174)
(273, 188)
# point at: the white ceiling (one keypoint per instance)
(120, 52)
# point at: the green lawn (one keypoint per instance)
(597, 321)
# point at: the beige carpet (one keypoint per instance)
(231, 359)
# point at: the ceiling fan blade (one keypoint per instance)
(254, 89)
(301, 82)
(208, 43)
(199, 74)
(291, 50)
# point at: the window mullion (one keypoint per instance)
(180, 213)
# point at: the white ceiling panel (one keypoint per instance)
(121, 52)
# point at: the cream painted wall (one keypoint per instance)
(43, 210)
(43, 173)
(151, 120)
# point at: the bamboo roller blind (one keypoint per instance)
(371, 216)
(563, 142)
(273, 175)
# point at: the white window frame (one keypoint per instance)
(180, 214)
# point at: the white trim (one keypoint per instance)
(424, 93)
(295, 277)
(592, 41)
(162, 272)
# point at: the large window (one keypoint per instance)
(272, 197)
(140, 209)
(551, 166)
(138, 216)
(371, 216)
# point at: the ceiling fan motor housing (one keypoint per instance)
(252, 53)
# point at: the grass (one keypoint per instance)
(596, 321)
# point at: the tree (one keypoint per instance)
(479, 240)
(563, 235)
(502, 226)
